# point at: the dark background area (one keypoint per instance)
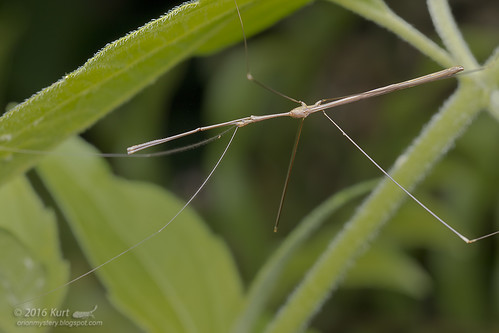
(321, 51)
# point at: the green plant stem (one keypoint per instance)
(324, 276)
(491, 78)
(446, 27)
(382, 15)
(263, 284)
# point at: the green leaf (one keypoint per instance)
(183, 280)
(265, 281)
(121, 70)
(256, 15)
(390, 269)
(29, 256)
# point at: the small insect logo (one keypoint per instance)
(84, 314)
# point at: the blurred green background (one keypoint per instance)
(321, 51)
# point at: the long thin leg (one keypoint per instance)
(148, 237)
(290, 167)
(465, 239)
(118, 155)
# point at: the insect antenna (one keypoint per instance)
(251, 78)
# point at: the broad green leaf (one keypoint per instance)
(120, 70)
(182, 280)
(256, 15)
(30, 258)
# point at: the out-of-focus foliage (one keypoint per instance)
(416, 276)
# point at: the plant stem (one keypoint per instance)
(266, 279)
(442, 131)
(382, 15)
(449, 32)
